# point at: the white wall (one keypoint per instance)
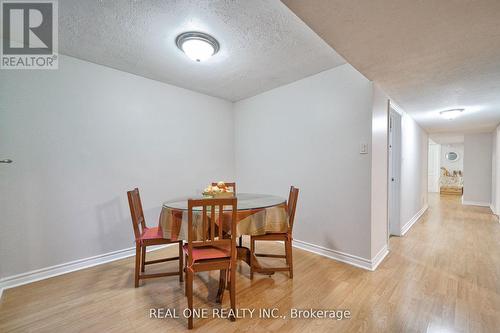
(478, 168)
(496, 173)
(495, 207)
(456, 165)
(414, 175)
(308, 134)
(379, 174)
(494, 162)
(80, 137)
(84, 134)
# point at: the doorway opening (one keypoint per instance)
(445, 169)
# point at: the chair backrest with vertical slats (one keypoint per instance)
(232, 185)
(292, 205)
(212, 226)
(138, 221)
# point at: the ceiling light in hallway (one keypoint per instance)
(198, 46)
(451, 114)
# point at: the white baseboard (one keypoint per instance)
(48, 272)
(347, 258)
(413, 220)
(379, 257)
(475, 203)
(495, 212)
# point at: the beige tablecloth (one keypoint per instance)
(174, 224)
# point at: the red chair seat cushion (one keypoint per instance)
(208, 252)
(152, 233)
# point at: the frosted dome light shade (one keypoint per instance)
(198, 46)
(197, 50)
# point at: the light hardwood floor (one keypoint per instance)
(443, 276)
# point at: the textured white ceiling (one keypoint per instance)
(428, 55)
(263, 44)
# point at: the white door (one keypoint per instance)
(434, 169)
(394, 172)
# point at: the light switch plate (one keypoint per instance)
(363, 148)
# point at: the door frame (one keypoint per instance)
(436, 166)
(394, 172)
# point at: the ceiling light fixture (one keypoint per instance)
(451, 114)
(198, 46)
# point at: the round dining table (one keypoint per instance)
(246, 201)
(257, 214)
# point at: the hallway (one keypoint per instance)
(448, 267)
(443, 276)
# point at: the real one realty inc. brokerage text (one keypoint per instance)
(263, 313)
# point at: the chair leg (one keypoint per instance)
(232, 289)
(137, 263)
(252, 253)
(222, 285)
(181, 265)
(143, 258)
(241, 241)
(185, 272)
(289, 258)
(189, 295)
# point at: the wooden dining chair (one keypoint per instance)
(285, 237)
(233, 186)
(212, 251)
(145, 237)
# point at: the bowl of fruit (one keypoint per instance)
(218, 191)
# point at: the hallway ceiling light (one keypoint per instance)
(198, 46)
(451, 114)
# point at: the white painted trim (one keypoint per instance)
(396, 107)
(347, 258)
(475, 203)
(413, 220)
(48, 272)
(379, 257)
(492, 207)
